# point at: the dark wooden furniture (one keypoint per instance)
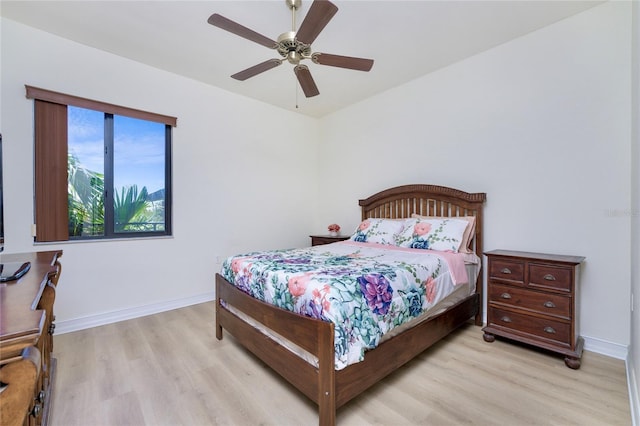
(27, 322)
(19, 380)
(533, 298)
(317, 240)
(326, 386)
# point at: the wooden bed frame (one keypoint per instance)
(326, 386)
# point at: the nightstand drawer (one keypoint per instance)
(502, 269)
(531, 300)
(318, 240)
(550, 277)
(523, 324)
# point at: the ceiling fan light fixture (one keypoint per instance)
(294, 58)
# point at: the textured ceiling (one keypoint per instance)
(407, 39)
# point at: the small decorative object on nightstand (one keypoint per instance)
(334, 229)
(533, 298)
(317, 240)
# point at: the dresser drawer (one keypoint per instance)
(550, 277)
(531, 300)
(511, 270)
(519, 323)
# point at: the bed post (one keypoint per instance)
(218, 326)
(479, 253)
(326, 375)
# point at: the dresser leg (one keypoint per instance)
(573, 363)
(488, 337)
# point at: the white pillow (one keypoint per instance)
(380, 231)
(432, 234)
(469, 233)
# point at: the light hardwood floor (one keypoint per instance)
(169, 369)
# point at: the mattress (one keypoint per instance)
(370, 292)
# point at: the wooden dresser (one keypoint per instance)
(533, 298)
(317, 240)
(26, 327)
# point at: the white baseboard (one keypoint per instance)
(140, 311)
(603, 347)
(634, 396)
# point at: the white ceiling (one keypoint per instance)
(407, 39)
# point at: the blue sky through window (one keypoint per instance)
(139, 154)
(86, 137)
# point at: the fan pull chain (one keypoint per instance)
(296, 83)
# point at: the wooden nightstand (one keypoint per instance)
(533, 298)
(317, 240)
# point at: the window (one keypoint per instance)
(102, 171)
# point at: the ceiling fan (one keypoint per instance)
(295, 46)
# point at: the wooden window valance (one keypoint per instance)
(64, 99)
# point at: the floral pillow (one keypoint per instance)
(432, 234)
(469, 232)
(380, 231)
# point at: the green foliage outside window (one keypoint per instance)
(134, 211)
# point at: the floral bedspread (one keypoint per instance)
(365, 289)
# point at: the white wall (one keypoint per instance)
(239, 181)
(541, 124)
(633, 361)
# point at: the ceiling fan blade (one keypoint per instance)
(359, 64)
(256, 69)
(242, 31)
(319, 15)
(306, 81)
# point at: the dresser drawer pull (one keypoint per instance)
(549, 330)
(505, 270)
(505, 319)
(549, 277)
(37, 409)
(549, 304)
(505, 296)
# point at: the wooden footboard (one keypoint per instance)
(315, 336)
(328, 388)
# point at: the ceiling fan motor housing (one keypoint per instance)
(292, 49)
